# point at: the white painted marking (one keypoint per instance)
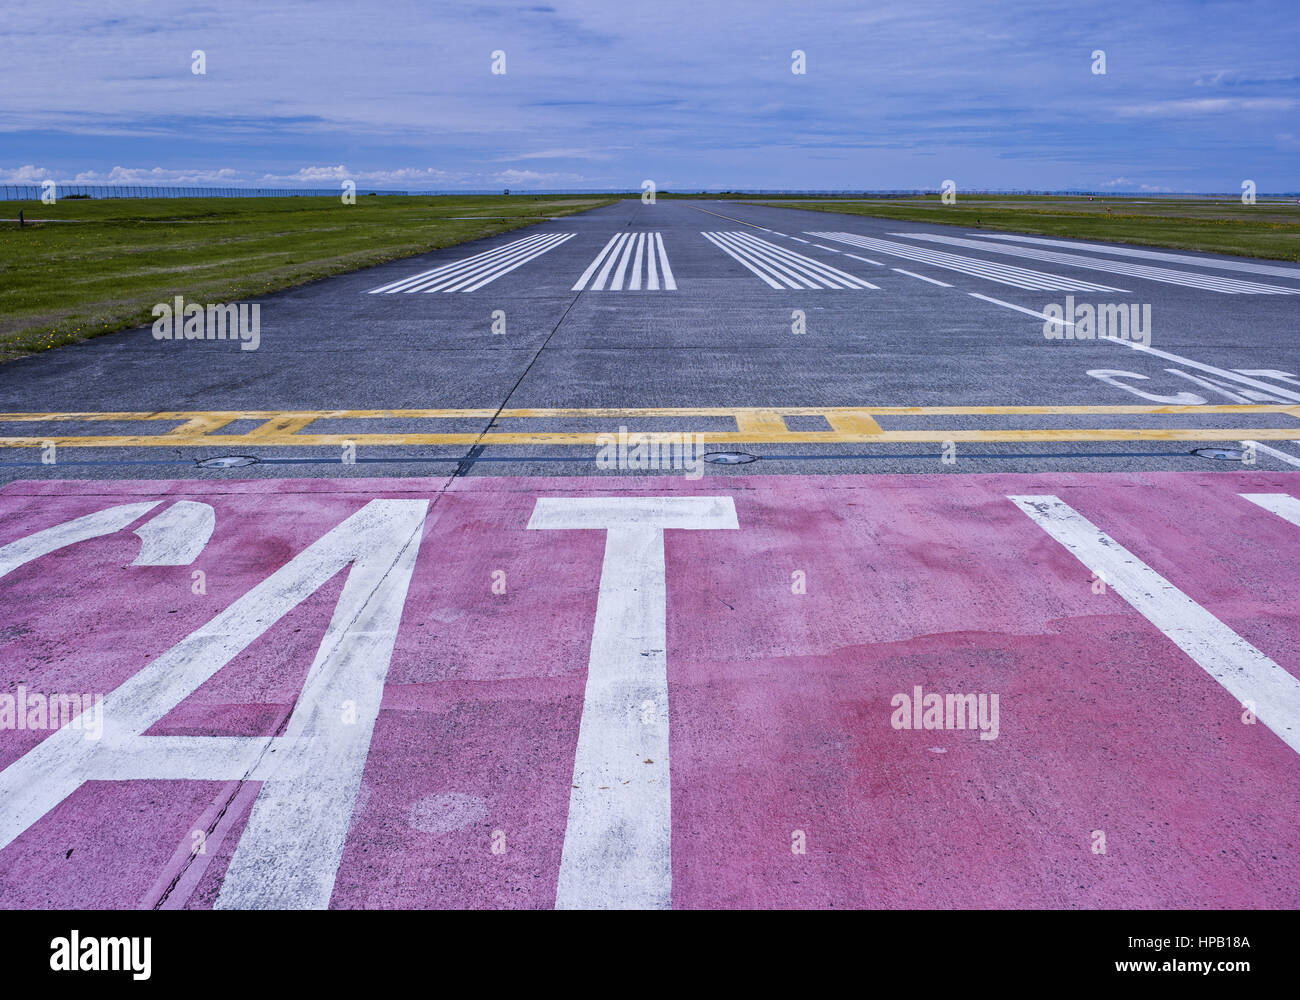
(617, 842)
(778, 266)
(631, 249)
(798, 264)
(721, 244)
(1005, 274)
(670, 283)
(616, 284)
(1246, 673)
(103, 522)
(533, 254)
(591, 269)
(1275, 390)
(474, 272)
(866, 259)
(1281, 456)
(1010, 305)
(1188, 279)
(474, 263)
(289, 853)
(1117, 251)
(177, 535)
(1284, 506)
(635, 283)
(652, 270)
(910, 274)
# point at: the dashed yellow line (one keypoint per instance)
(753, 425)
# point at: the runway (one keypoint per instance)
(686, 555)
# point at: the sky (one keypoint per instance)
(604, 94)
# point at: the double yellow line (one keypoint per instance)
(753, 425)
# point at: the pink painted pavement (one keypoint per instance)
(779, 702)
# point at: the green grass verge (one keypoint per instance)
(94, 267)
(1265, 229)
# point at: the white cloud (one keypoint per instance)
(1209, 105)
(23, 175)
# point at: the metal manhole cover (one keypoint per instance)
(226, 462)
(1219, 454)
(729, 457)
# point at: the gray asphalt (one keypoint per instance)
(723, 338)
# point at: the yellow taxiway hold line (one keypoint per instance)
(848, 425)
(288, 439)
(225, 416)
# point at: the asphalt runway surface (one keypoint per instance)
(475, 620)
(692, 308)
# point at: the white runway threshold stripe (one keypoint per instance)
(782, 268)
(1259, 684)
(1188, 279)
(1174, 258)
(1283, 505)
(617, 841)
(474, 272)
(647, 256)
(1005, 274)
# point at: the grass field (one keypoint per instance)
(93, 267)
(1266, 229)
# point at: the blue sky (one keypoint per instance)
(607, 93)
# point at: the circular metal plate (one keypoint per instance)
(730, 457)
(1219, 454)
(226, 462)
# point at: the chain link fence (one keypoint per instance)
(33, 192)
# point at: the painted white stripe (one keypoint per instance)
(617, 283)
(634, 260)
(1176, 258)
(1246, 673)
(911, 274)
(653, 269)
(825, 273)
(1213, 387)
(1010, 305)
(780, 269)
(716, 240)
(289, 852)
(489, 271)
(1281, 456)
(670, 283)
(635, 283)
(1006, 274)
(867, 259)
(401, 283)
(474, 272)
(1234, 376)
(786, 261)
(1017, 277)
(591, 269)
(473, 265)
(454, 267)
(618, 839)
(471, 270)
(177, 535)
(610, 262)
(1284, 506)
(102, 522)
(506, 270)
(1188, 279)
